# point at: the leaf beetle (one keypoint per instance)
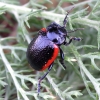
(44, 48)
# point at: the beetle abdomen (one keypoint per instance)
(41, 53)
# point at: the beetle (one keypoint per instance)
(44, 48)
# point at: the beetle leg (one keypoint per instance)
(72, 38)
(41, 78)
(62, 58)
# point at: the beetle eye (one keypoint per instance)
(55, 40)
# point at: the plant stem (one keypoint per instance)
(81, 65)
(55, 87)
(7, 64)
(49, 15)
(23, 10)
(88, 22)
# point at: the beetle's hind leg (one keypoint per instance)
(62, 58)
(41, 78)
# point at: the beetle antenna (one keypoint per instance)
(75, 30)
(65, 19)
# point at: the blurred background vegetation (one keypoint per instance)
(20, 21)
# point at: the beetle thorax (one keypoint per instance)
(56, 38)
(56, 33)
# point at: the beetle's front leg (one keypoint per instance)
(70, 40)
(62, 58)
